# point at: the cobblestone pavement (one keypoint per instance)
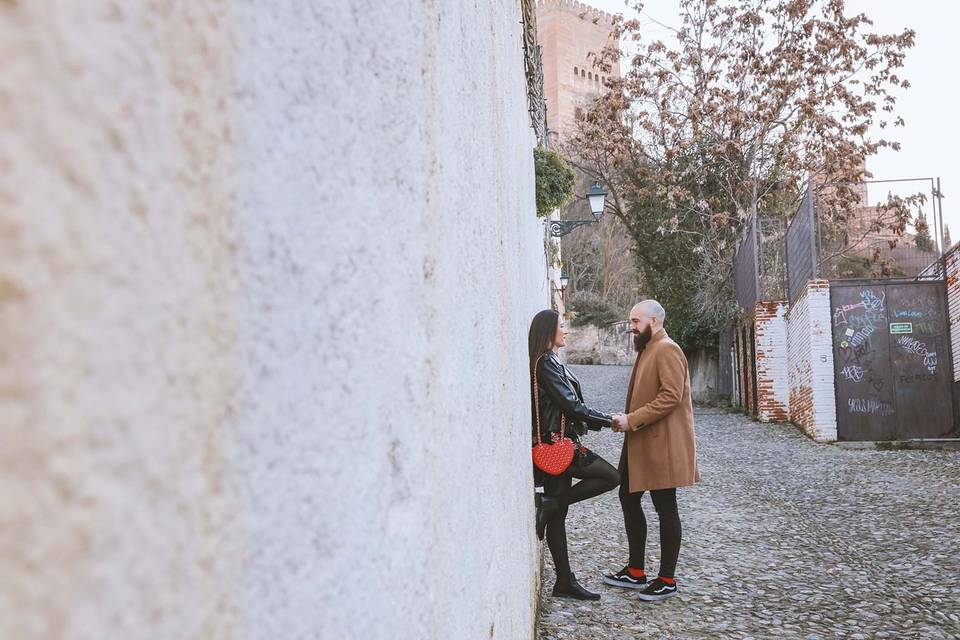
(783, 538)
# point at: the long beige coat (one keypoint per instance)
(661, 447)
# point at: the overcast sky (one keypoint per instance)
(930, 107)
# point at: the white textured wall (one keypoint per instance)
(812, 394)
(773, 390)
(263, 267)
(952, 259)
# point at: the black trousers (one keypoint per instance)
(596, 476)
(635, 522)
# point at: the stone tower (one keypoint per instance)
(568, 31)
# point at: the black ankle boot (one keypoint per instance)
(572, 589)
(546, 510)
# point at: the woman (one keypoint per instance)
(560, 395)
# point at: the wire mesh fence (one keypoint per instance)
(760, 263)
(745, 269)
(800, 246)
(772, 263)
(899, 236)
(896, 234)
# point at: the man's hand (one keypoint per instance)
(620, 423)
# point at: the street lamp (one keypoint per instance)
(562, 289)
(597, 199)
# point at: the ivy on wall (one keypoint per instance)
(555, 180)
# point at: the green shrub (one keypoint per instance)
(555, 179)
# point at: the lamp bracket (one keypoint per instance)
(560, 228)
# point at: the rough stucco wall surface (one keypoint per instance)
(704, 371)
(261, 267)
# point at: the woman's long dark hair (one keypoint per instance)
(543, 329)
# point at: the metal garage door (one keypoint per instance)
(892, 361)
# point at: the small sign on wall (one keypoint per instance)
(901, 327)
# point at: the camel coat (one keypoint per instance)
(661, 447)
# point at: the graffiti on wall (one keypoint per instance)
(889, 344)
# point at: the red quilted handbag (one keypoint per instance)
(551, 457)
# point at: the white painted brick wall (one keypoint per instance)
(953, 303)
(810, 352)
(772, 377)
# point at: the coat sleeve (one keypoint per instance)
(550, 378)
(671, 380)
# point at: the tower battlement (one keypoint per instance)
(571, 33)
(583, 10)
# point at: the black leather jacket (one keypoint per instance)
(560, 393)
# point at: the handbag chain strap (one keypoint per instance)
(536, 401)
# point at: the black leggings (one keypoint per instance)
(665, 502)
(596, 476)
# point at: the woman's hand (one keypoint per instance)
(619, 423)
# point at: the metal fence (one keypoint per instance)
(746, 273)
(760, 267)
(867, 245)
(801, 247)
(881, 259)
(772, 260)
(862, 247)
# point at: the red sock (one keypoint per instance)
(669, 581)
(636, 573)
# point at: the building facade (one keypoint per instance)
(569, 32)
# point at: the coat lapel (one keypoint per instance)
(657, 337)
(633, 380)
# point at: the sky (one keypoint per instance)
(930, 107)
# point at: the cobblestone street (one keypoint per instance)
(783, 538)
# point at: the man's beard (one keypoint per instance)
(640, 339)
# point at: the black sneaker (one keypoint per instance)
(623, 579)
(658, 590)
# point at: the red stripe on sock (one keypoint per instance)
(669, 581)
(636, 573)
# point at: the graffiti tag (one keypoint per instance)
(913, 346)
(853, 373)
(861, 336)
(870, 406)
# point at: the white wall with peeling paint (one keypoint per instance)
(810, 346)
(773, 391)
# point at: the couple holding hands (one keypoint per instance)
(658, 455)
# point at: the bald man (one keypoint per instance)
(659, 450)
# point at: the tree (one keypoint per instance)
(947, 244)
(728, 121)
(923, 240)
(597, 258)
(591, 308)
